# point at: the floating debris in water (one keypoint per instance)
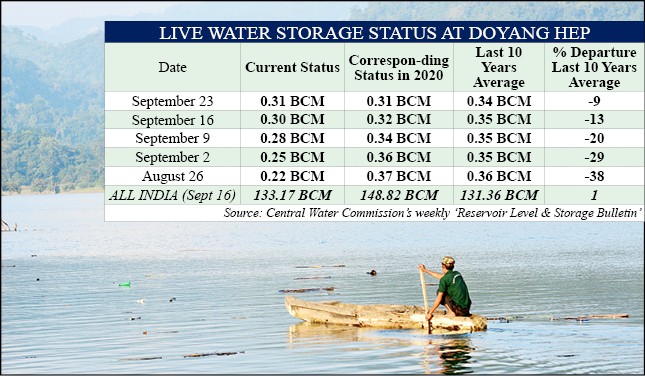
(589, 317)
(146, 332)
(608, 316)
(8, 266)
(141, 301)
(500, 319)
(327, 277)
(321, 266)
(172, 300)
(124, 284)
(197, 355)
(373, 272)
(308, 290)
(142, 358)
(581, 318)
(135, 318)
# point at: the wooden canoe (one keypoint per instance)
(386, 316)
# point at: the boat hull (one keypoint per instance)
(386, 316)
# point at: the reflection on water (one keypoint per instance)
(305, 333)
(445, 354)
(453, 353)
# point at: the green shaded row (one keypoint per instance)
(371, 195)
(374, 157)
(372, 119)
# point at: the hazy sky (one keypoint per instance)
(48, 14)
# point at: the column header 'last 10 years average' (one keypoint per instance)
(376, 31)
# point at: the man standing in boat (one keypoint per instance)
(452, 291)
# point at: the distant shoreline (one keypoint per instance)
(27, 192)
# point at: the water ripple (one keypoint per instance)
(214, 288)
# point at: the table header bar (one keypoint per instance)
(374, 31)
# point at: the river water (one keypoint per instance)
(214, 288)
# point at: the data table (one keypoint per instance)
(345, 121)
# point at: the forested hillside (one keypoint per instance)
(52, 113)
(501, 11)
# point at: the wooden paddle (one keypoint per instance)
(425, 297)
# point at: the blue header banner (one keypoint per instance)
(373, 31)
